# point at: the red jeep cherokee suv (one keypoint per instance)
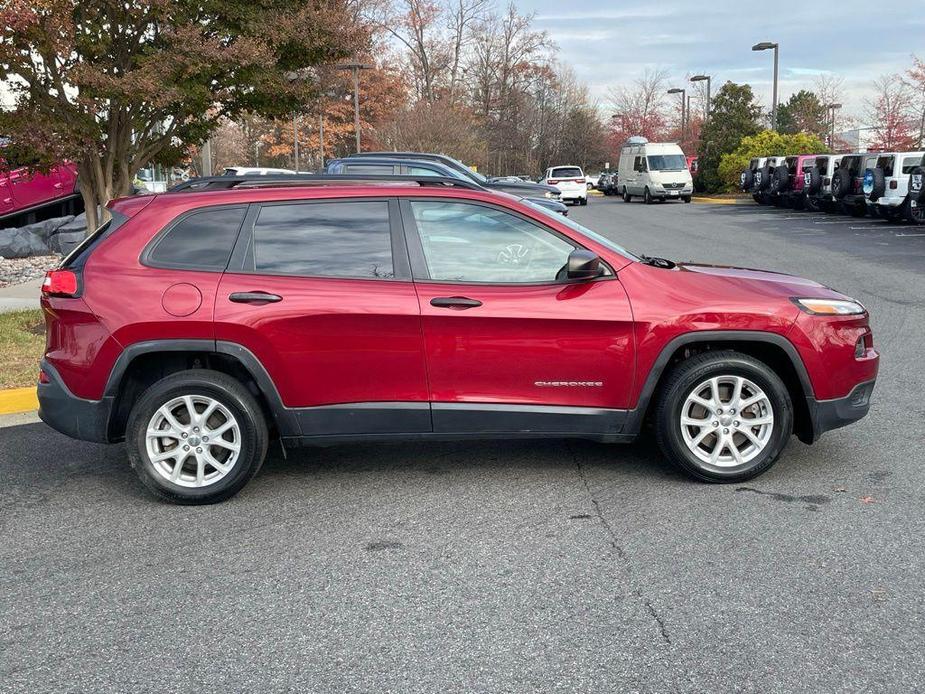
(197, 325)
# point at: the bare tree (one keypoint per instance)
(463, 17)
(640, 108)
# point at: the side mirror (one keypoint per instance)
(583, 264)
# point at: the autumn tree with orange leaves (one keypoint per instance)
(116, 84)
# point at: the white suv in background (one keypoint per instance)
(886, 185)
(571, 182)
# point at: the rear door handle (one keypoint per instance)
(254, 298)
(459, 303)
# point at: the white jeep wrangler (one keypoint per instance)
(886, 186)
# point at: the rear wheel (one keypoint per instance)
(196, 437)
(723, 417)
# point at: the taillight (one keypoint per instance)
(552, 181)
(893, 184)
(61, 283)
(580, 180)
(43, 377)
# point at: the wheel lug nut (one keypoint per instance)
(716, 424)
(732, 411)
(725, 431)
(195, 428)
(199, 450)
(206, 438)
(720, 411)
(735, 424)
(184, 434)
(185, 448)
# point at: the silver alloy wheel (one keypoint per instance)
(193, 441)
(727, 421)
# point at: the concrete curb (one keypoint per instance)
(722, 201)
(16, 400)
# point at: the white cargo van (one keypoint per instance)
(654, 170)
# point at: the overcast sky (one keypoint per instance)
(608, 43)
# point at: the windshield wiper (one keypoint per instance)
(656, 262)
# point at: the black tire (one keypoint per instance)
(757, 198)
(781, 182)
(812, 181)
(855, 210)
(626, 196)
(914, 215)
(686, 198)
(690, 373)
(747, 180)
(813, 204)
(647, 196)
(841, 181)
(765, 181)
(917, 184)
(584, 201)
(231, 394)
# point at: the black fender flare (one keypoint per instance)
(285, 419)
(636, 416)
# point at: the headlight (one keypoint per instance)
(548, 194)
(829, 307)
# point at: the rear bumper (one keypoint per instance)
(59, 408)
(833, 414)
(888, 201)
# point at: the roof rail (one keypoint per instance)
(209, 183)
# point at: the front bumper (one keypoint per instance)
(59, 408)
(826, 415)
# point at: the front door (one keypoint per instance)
(510, 344)
(323, 297)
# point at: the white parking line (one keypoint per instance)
(910, 234)
(888, 228)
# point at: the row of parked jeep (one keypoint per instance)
(887, 185)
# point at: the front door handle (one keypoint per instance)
(254, 298)
(459, 303)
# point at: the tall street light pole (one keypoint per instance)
(832, 108)
(355, 67)
(683, 93)
(764, 46)
(708, 79)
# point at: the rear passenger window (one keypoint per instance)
(325, 239)
(200, 241)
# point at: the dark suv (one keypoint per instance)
(199, 324)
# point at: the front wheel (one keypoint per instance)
(723, 417)
(626, 196)
(646, 196)
(686, 198)
(196, 437)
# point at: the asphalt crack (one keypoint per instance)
(614, 542)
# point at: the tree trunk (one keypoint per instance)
(96, 192)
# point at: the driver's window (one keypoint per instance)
(463, 242)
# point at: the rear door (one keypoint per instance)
(511, 346)
(320, 292)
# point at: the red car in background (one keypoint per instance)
(692, 165)
(24, 193)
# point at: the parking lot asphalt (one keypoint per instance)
(505, 566)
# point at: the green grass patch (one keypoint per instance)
(22, 342)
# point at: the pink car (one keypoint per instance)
(23, 192)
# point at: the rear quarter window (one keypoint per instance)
(201, 240)
(910, 163)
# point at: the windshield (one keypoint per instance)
(475, 175)
(667, 162)
(593, 235)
